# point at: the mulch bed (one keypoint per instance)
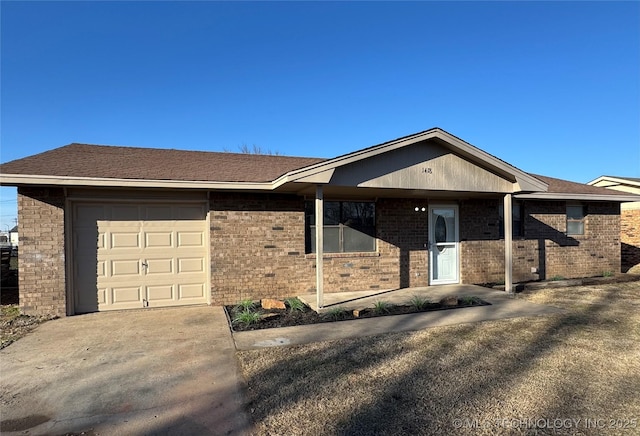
(274, 318)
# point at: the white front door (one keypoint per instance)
(443, 244)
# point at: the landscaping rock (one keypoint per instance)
(357, 313)
(270, 315)
(270, 303)
(449, 301)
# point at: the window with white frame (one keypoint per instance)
(349, 226)
(575, 219)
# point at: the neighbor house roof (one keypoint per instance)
(619, 180)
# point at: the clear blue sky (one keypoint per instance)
(551, 87)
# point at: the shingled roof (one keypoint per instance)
(152, 164)
(100, 161)
(559, 186)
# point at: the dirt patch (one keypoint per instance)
(274, 318)
(14, 325)
(515, 376)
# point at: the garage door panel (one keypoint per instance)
(191, 265)
(159, 266)
(158, 213)
(158, 239)
(190, 291)
(196, 213)
(124, 213)
(125, 240)
(161, 293)
(120, 268)
(114, 242)
(190, 239)
(126, 294)
(88, 215)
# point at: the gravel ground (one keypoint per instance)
(575, 373)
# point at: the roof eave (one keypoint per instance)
(580, 197)
(26, 179)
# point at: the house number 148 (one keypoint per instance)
(426, 170)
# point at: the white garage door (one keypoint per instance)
(130, 256)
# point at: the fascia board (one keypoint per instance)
(584, 197)
(22, 179)
(614, 180)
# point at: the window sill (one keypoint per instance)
(344, 255)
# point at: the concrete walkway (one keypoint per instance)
(152, 372)
(502, 306)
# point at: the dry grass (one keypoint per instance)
(14, 325)
(504, 376)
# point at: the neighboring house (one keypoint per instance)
(116, 227)
(10, 238)
(629, 217)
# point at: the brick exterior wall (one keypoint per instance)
(544, 245)
(630, 238)
(258, 247)
(41, 261)
(258, 250)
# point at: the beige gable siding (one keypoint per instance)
(421, 166)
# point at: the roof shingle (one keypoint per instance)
(100, 161)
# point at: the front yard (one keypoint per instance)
(574, 373)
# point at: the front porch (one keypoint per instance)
(366, 299)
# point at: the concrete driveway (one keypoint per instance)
(159, 371)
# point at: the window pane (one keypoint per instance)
(355, 240)
(331, 213)
(358, 214)
(575, 212)
(331, 237)
(575, 228)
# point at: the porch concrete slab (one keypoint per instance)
(503, 306)
(152, 372)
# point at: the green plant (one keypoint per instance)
(295, 304)
(468, 299)
(245, 305)
(419, 303)
(556, 278)
(246, 317)
(381, 307)
(607, 273)
(335, 313)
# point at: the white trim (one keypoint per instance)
(620, 180)
(319, 203)
(24, 179)
(508, 242)
(432, 243)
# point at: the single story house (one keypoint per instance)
(629, 217)
(105, 227)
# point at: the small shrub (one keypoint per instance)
(557, 278)
(607, 274)
(382, 307)
(246, 317)
(419, 303)
(295, 305)
(336, 313)
(468, 300)
(245, 305)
